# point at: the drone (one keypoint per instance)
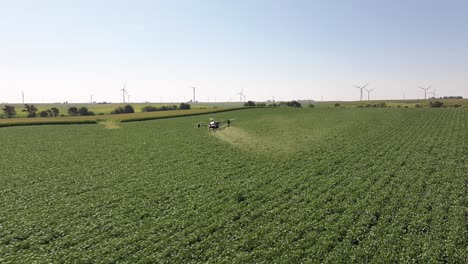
(215, 125)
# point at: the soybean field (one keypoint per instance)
(281, 185)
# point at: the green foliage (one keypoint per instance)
(311, 105)
(118, 110)
(9, 111)
(162, 108)
(83, 111)
(249, 104)
(379, 105)
(280, 185)
(54, 112)
(30, 109)
(73, 111)
(128, 109)
(184, 106)
(337, 105)
(291, 104)
(436, 104)
(44, 113)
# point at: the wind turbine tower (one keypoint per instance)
(361, 88)
(91, 96)
(434, 95)
(194, 88)
(241, 95)
(425, 90)
(22, 96)
(368, 93)
(124, 92)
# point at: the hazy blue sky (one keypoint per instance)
(65, 50)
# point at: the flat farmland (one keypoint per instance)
(328, 185)
(93, 119)
(106, 109)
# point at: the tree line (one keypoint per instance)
(32, 111)
(289, 103)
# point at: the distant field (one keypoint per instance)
(311, 185)
(107, 108)
(395, 103)
(140, 116)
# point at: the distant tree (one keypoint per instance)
(311, 105)
(44, 113)
(83, 111)
(124, 110)
(168, 108)
(436, 104)
(418, 106)
(30, 109)
(149, 108)
(250, 103)
(128, 109)
(73, 111)
(294, 104)
(381, 104)
(55, 111)
(9, 111)
(118, 110)
(337, 104)
(261, 104)
(184, 106)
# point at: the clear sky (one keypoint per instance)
(66, 50)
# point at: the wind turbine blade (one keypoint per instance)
(357, 87)
(429, 87)
(365, 85)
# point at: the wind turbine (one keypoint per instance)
(361, 88)
(241, 94)
(22, 96)
(194, 88)
(434, 93)
(124, 92)
(368, 93)
(425, 90)
(91, 98)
